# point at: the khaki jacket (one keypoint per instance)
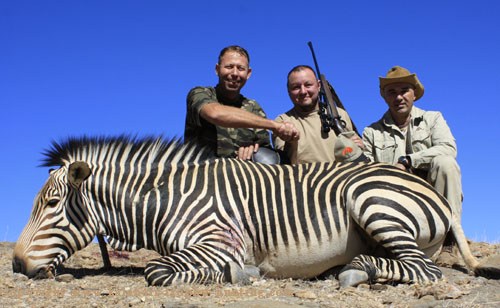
(429, 136)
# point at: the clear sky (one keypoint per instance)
(69, 68)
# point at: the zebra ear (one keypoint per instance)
(78, 172)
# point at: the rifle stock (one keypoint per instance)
(334, 120)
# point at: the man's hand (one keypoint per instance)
(286, 131)
(245, 153)
(358, 141)
(400, 166)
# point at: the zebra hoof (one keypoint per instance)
(352, 277)
(233, 273)
(252, 271)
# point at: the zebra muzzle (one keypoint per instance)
(18, 265)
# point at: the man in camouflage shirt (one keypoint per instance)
(223, 119)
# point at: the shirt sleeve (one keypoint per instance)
(441, 139)
(196, 99)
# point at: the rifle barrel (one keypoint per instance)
(314, 58)
(331, 119)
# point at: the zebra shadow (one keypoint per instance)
(79, 273)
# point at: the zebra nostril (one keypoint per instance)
(18, 265)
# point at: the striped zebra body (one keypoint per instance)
(201, 215)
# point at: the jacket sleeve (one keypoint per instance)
(368, 142)
(441, 142)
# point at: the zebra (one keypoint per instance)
(209, 217)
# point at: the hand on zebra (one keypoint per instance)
(245, 153)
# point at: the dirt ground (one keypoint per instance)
(82, 282)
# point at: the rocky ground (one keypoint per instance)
(83, 283)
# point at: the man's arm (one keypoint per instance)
(443, 142)
(228, 116)
(368, 143)
(201, 105)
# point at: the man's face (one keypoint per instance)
(303, 89)
(233, 72)
(399, 97)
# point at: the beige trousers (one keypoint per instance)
(444, 174)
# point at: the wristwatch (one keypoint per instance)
(405, 161)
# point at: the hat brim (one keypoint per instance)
(411, 79)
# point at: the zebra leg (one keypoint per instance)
(199, 263)
(104, 251)
(410, 264)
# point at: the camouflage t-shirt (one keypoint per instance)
(224, 141)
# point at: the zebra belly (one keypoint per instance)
(309, 260)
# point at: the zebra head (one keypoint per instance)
(59, 224)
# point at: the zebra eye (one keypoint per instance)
(52, 202)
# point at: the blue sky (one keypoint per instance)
(69, 68)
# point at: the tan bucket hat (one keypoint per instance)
(399, 74)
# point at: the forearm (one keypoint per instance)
(228, 116)
(279, 144)
(442, 144)
(422, 159)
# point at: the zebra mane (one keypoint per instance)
(87, 148)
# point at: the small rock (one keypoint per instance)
(262, 303)
(135, 301)
(305, 294)
(463, 281)
(447, 259)
(480, 281)
(65, 278)
(427, 301)
(104, 292)
(450, 292)
(261, 283)
(20, 277)
(379, 287)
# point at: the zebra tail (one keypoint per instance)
(489, 268)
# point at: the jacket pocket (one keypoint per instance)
(421, 140)
(384, 150)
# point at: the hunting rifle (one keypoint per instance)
(328, 102)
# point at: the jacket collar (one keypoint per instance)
(414, 114)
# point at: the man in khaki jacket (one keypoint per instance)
(413, 139)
